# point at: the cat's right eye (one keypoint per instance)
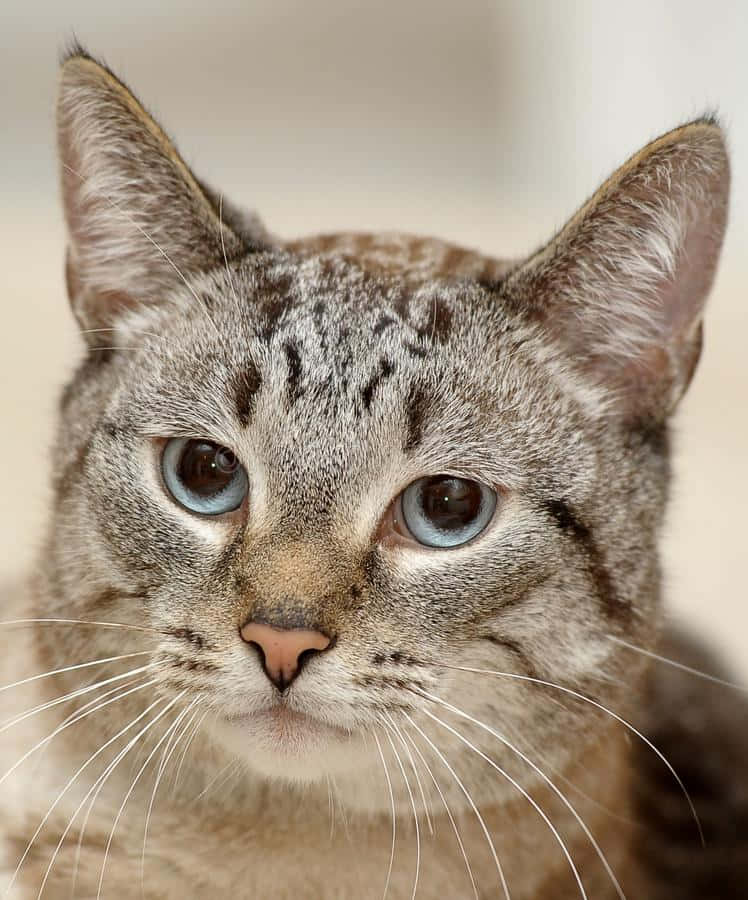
(203, 476)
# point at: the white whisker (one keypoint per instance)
(186, 748)
(68, 724)
(466, 793)
(392, 812)
(330, 807)
(624, 820)
(542, 775)
(86, 665)
(67, 787)
(54, 621)
(165, 757)
(413, 766)
(96, 789)
(515, 784)
(572, 693)
(223, 775)
(135, 780)
(66, 698)
(677, 665)
(415, 813)
(448, 811)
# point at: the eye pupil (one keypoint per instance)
(450, 503)
(205, 468)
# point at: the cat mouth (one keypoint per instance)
(284, 724)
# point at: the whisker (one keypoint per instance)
(677, 665)
(80, 712)
(398, 733)
(135, 780)
(86, 665)
(572, 693)
(469, 799)
(392, 812)
(53, 621)
(341, 808)
(624, 820)
(72, 695)
(186, 748)
(330, 807)
(113, 347)
(161, 769)
(448, 810)
(415, 813)
(69, 784)
(153, 334)
(65, 725)
(223, 250)
(96, 789)
(515, 784)
(223, 775)
(542, 775)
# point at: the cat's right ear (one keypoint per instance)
(138, 220)
(621, 289)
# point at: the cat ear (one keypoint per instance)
(138, 220)
(622, 287)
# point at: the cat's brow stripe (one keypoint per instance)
(567, 520)
(415, 410)
(383, 324)
(439, 322)
(293, 359)
(384, 371)
(247, 384)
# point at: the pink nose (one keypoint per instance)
(282, 649)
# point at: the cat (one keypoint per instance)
(351, 584)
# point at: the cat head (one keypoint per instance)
(336, 474)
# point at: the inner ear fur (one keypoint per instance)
(621, 288)
(138, 220)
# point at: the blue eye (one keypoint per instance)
(445, 512)
(203, 477)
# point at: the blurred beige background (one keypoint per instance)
(483, 122)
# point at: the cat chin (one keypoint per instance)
(292, 746)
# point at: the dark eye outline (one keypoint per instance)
(393, 529)
(225, 502)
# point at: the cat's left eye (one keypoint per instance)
(203, 476)
(442, 511)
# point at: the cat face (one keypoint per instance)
(414, 468)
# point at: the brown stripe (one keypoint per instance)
(566, 519)
(246, 385)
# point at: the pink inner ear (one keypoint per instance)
(622, 288)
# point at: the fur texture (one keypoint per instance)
(339, 369)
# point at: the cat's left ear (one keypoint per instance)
(138, 219)
(621, 288)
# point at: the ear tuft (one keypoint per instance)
(139, 221)
(622, 287)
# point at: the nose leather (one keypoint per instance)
(282, 649)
